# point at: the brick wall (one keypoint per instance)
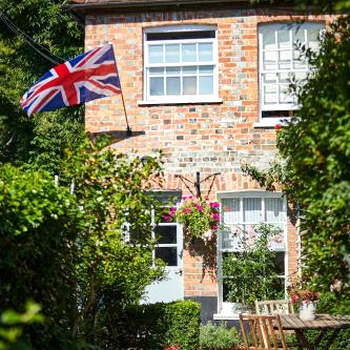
(205, 137)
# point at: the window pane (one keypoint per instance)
(283, 38)
(231, 238)
(226, 287)
(269, 39)
(165, 234)
(167, 254)
(298, 35)
(270, 78)
(173, 86)
(300, 76)
(155, 54)
(279, 263)
(156, 71)
(189, 70)
(206, 69)
(285, 57)
(173, 70)
(189, 53)
(172, 53)
(205, 52)
(270, 94)
(230, 209)
(313, 34)
(299, 61)
(270, 60)
(285, 95)
(205, 85)
(157, 86)
(189, 85)
(252, 210)
(274, 209)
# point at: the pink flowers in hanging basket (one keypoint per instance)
(199, 217)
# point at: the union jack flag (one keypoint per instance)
(87, 77)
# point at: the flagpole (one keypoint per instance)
(128, 129)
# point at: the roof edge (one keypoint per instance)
(142, 5)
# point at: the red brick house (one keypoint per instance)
(205, 82)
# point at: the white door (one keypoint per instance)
(169, 249)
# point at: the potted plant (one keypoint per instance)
(306, 298)
(249, 274)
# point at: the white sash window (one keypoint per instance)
(279, 61)
(180, 64)
(240, 211)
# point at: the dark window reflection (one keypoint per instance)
(165, 234)
(279, 263)
(167, 254)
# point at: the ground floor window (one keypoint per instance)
(248, 217)
(168, 235)
(168, 247)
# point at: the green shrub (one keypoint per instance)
(154, 326)
(183, 324)
(219, 337)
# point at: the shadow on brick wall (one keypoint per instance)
(118, 135)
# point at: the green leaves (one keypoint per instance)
(250, 274)
(38, 142)
(12, 323)
(314, 164)
(67, 250)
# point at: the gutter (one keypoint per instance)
(147, 5)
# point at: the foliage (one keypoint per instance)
(111, 191)
(182, 316)
(12, 323)
(38, 142)
(315, 172)
(218, 337)
(336, 304)
(155, 326)
(39, 223)
(68, 251)
(199, 217)
(251, 273)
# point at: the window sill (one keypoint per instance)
(181, 101)
(223, 317)
(269, 124)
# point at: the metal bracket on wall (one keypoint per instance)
(197, 183)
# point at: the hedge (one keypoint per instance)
(153, 326)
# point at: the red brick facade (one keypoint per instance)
(216, 137)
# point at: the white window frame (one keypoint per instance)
(224, 307)
(263, 27)
(176, 99)
(178, 245)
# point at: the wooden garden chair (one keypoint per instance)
(273, 307)
(262, 332)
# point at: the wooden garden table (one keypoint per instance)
(323, 322)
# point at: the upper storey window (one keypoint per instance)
(180, 64)
(279, 61)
